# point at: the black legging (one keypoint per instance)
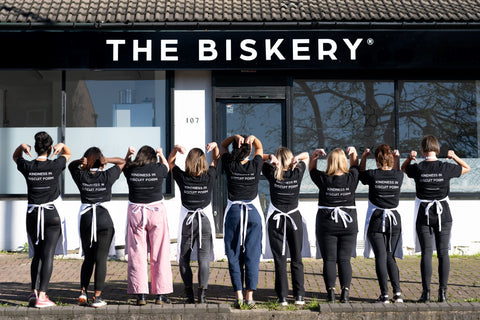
(97, 254)
(385, 264)
(294, 240)
(42, 262)
(425, 236)
(203, 253)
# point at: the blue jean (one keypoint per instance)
(243, 261)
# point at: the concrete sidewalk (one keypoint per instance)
(464, 283)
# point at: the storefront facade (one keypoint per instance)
(309, 80)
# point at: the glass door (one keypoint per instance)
(262, 118)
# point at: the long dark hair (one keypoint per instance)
(384, 156)
(94, 158)
(145, 155)
(242, 152)
(43, 143)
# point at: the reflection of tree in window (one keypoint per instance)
(444, 109)
(339, 113)
(83, 113)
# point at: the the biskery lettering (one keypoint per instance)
(245, 50)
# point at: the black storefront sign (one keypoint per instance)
(251, 50)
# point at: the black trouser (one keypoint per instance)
(425, 235)
(294, 238)
(337, 248)
(385, 264)
(42, 262)
(96, 255)
(203, 253)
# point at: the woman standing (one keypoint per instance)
(284, 220)
(196, 223)
(44, 223)
(432, 211)
(243, 220)
(383, 226)
(147, 225)
(336, 223)
(96, 225)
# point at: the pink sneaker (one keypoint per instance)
(32, 299)
(43, 303)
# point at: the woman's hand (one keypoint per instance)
(26, 149)
(318, 153)
(273, 160)
(211, 146)
(180, 149)
(57, 149)
(366, 153)
(159, 152)
(413, 155)
(351, 150)
(131, 151)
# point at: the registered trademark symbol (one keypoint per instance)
(370, 41)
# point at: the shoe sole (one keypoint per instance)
(44, 306)
(300, 303)
(99, 305)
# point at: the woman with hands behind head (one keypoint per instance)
(284, 220)
(96, 225)
(432, 210)
(196, 224)
(44, 219)
(243, 220)
(336, 223)
(147, 225)
(383, 226)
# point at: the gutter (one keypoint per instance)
(177, 25)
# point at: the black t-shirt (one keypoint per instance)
(95, 186)
(145, 182)
(242, 179)
(42, 178)
(336, 191)
(432, 178)
(383, 186)
(284, 193)
(196, 192)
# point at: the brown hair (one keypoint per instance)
(285, 161)
(145, 155)
(196, 163)
(430, 144)
(384, 156)
(94, 158)
(336, 160)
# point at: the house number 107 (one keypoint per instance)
(192, 120)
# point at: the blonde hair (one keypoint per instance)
(196, 163)
(336, 160)
(285, 161)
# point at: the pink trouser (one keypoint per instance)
(143, 235)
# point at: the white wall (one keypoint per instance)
(465, 236)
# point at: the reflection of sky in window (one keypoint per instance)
(105, 94)
(263, 120)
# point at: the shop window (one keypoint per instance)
(113, 110)
(448, 110)
(332, 114)
(30, 101)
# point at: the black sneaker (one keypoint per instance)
(162, 298)
(32, 299)
(397, 298)
(299, 301)
(282, 301)
(383, 299)
(238, 304)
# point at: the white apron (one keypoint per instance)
(427, 209)
(243, 224)
(345, 217)
(387, 214)
(84, 208)
(61, 248)
(305, 242)
(207, 212)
